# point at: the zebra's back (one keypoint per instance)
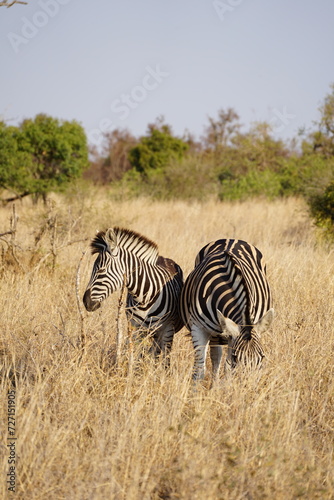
(238, 248)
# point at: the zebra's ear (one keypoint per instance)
(229, 328)
(264, 323)
(111, 240)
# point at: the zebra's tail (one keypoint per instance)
(231, 330)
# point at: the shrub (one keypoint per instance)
(155, 151)
(322, 209)
(255, 183)
(41, 155)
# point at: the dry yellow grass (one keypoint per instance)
(88, 431)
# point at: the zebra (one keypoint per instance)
(153, 283)
(226, 300)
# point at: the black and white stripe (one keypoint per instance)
(226, 300)
(153, 282)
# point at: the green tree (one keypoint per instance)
(16, 166)
(251, 164)
(318, 153)
(156, 150)
(259, 150)
(322, 140)
(41, 155)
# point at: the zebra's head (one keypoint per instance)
(108, 270)
(120, 251)
(244, 346)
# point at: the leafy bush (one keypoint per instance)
(16, 165)
(41, 155)
(253, 184)
(154, 152)
(192, 178)
(322, 209)
(229, 163)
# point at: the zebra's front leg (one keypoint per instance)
(216, 354)
(162, 344)
(200, 340)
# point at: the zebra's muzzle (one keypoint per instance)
(90, 304)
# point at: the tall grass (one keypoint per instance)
(88, 430)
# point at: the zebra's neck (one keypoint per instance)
(144, 280)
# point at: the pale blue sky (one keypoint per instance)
(121, 64)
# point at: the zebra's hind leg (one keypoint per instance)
(200, 340)
(216, 354)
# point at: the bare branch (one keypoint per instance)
(4, 234)
(12, 244)
(17, 195)
(62, 331)
(53, 226)
(81, 314)
(5, 4)
(71, 243)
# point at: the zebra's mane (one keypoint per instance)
(98, 243)
(136, 243)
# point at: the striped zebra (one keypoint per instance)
(226, 300)
(153, 283)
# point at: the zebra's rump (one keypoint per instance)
(238, 248)
(229, 275)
